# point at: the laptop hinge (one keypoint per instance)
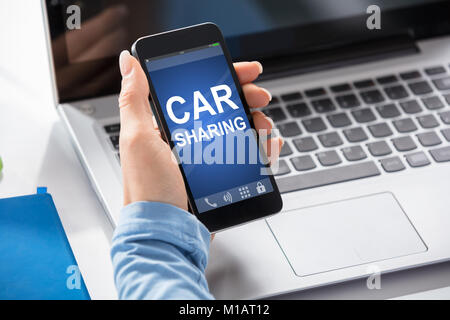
(336, 57)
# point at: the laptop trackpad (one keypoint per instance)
(345, 233)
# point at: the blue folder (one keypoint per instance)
(36, 261)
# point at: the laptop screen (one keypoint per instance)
(87, 36)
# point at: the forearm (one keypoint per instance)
(160, 252)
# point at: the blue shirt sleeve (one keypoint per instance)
(160, 252)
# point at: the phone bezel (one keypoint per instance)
(182, 39)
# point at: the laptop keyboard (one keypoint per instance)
(113, 130)
(357, 130)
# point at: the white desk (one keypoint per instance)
(36, 151)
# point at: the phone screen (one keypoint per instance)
(209, 127)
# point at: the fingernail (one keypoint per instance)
(125, 63)
(274, 132)
(268, 92)
(260, 66)
(271, 121)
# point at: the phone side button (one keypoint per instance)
(328, 176)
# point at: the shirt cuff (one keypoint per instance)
(164, 222)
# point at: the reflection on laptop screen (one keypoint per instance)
(125, 21)
(85, 57)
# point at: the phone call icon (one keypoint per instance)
(214, 205)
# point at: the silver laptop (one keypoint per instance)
(361, 95)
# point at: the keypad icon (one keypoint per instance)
(244, 192)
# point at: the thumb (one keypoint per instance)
(133, 99)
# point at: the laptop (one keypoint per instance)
(361, 95)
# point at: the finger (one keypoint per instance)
(112, 42)
(95, 28)
(256, 97)
(263, 124)
(134, 107)
(98, 81)
(72, 76)
(248, 71)
(155, 123)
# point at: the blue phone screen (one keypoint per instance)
(208, 124)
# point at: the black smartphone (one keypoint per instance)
(202, 113)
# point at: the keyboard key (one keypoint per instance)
(363, 115)
(428, 121)
(330, 139)
(372, 96)
(447, 98)
(392, 164)
(275, 100)
(417, 159)
(283, 168)
(387, 79)
(315, 92)
(298, 110)
(112, 128)
(396, 92)
(275, 113)
(411, 106)
(410, 75)
(428, 139)
(379, 148)
(446, 134)
(421, 87)
(289, 129)
(445, 117)
(442, 84)
(433, 103)
(323, 105)
(364, 83)
(435, 70)
(348, 101)
(303, 163)
(354, 153)
(355, 135)
(404, 125)
(305, 144)
(388, 110)
(340, 87)
(115, 141)
(380, 130)
(285, 150)
(329, 158)
(339, 120)
(314, 124)
(328, 176)
(291, 96)
(441, 154)
(404, 144)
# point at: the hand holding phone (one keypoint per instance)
(148, 172)
(221, 195)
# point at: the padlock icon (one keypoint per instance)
(260, 187)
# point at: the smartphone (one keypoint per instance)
(202, 113)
